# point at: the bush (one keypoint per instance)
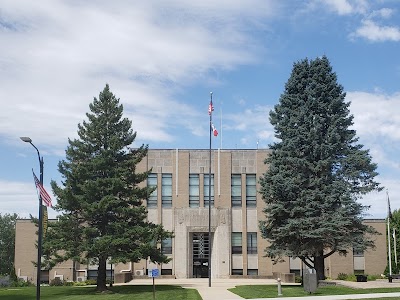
(5, 281)
(351, 278)
(373, 277)
(56, 282)
(68, 283)
(21, 283)
(342, 276)
(13, 275)
(91, 282)
(298, 279)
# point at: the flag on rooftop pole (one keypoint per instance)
(389, 210)
(214, 130)
(210, 107)
(42, 192)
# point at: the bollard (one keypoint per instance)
(279, 287)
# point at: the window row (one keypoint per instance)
(166, 245)
(208, 190)
(237, 243)
(251, 272)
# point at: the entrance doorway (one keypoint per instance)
(201, 252)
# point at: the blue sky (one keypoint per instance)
(163, 58)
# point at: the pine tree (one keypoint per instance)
(394, 223)
(100, 199)
(317, 171)
(7, 243)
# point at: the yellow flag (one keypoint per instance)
(45, 219)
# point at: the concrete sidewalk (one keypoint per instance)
(219, 288)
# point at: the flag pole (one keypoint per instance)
(395, 246)
(388, 233)
(40, 221)
(210, 109)
(220, 128)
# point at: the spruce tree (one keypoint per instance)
(7, 243)
(316, 171)
(102, 216)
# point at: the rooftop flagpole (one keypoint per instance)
(210, 110)
(220, 127)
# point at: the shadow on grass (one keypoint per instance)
(140, 292)
(270, 291)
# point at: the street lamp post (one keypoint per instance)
(40, 233)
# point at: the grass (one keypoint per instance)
(137, 292)
(271, 291)
(386, 298)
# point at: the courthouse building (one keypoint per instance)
(180, 203)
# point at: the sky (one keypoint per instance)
(163, 58)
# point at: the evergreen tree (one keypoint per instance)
(317, 171)
(7, 243)
(394, 223)
(100, 199)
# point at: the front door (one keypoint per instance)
(201, 251)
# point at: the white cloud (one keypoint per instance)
(57, 55)
(376, 33)
(21, 198)
(342, 7)
(384, 13)
(346, 7)
(253, 121)
(378, 200)
(376, 120)
(376, 115)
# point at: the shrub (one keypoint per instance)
(342, 276)
(351, 278)
(13, 275)
(5, 281)
(373, 277)
(298, 279)
(56, 282)
(91, 282)
(21, 283)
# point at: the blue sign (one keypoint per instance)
(154, 273)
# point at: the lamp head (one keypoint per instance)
(26, 139)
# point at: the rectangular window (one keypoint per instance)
(207, 190)
(252, 272)
(236, 189)
(251, 191)
(152, 183)
(166, 271)
(252, 243)
(194, 190)
(166, 190)
(166, 246)
(358, 253)
(236, 243)
(237, 271)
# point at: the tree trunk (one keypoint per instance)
(319, 264)
(101, 275)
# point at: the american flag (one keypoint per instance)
(45, 196)
(210, 107)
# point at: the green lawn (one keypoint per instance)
(137, 292)
(271, 291)
(389, 298)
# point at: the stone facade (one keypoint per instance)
(191, 224)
